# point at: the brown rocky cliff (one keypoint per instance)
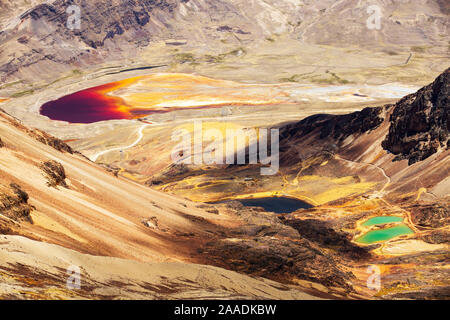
(37, 134)
(100, 19)
(420, 122)
(33, 34)
(418, 126)
(14, 203)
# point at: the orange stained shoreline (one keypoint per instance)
(157, 93)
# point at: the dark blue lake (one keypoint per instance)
(276, 204)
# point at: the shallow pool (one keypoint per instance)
(384, 234)
(382, 220)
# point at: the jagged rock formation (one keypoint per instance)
(55, 173)
(337, 127)
(327, 157)
(418, 125)
(37, 134)
(101, 21)
(329, 133)
(331, 129)
(50, 140)
(420, 122)
(14, 203)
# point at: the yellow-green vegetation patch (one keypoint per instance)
(22, 93)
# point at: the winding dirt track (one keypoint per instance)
(140, 136)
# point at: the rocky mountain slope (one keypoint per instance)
(60, 210)
(358, 153)
(34, 35)
(36, 270)
(346, 165)
(415, 128)
(420, 123)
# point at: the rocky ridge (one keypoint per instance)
(34, 34)
(420, 122)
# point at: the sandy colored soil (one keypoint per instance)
(37, 270)
(410, 246)
(103, 213)
(129, 241)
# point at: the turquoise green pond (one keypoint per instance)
(382, 220)
(384, 234)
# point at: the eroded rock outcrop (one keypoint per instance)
(278, 259)
(321, 233)
(50, 140)
(265, 246)
(420, 122)
(37, 134)
(114, 20)
(338, 127)
(328, 131)
(437, 237)
(14, 203)
(431, 215)
(55, 173)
